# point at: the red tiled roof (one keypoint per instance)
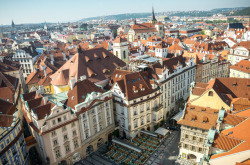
(80, 91)
(77, 66)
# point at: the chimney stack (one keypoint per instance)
(72, 83)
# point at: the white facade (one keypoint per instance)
(175, 86)
(238, 54)
(25, 60)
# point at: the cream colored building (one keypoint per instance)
(241, 69)
(69, 131)
(239, 52)
(137, 104)
(120, 48)
(174, 77)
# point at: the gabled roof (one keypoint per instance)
(8, 66)
(43, 110)
(132, 84)
(195, 116)
(8, 81)
(245, 44)
(175, 47)
(80, 91)
(77, 66)
(226, 88)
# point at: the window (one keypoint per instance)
(64, 128)
(2, 146)
(74, 132)
(59, 120)
(201, 139)
(55, 142)
(210, 93)
(148, 107)
(64, 117)
(8, 141)
(87, 135)
(124, 54)
(135, 124)
(65, 137)
(13, 151)
(67, 148)
(58, 154)
(53, 133)
(75, 143)
(141, 108)
(194, 137)
(200, 150)
(73, 124)
(135, 111)
(54, 122)
(186, 136)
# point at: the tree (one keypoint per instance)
(203, 32)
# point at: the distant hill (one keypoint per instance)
(178, 13)
(242, 12)
(222, 10)
(118, 16)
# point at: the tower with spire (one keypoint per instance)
(13, 27)
(153, 19)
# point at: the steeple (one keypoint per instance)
(12, 27)
(12, 24)
(153, 20)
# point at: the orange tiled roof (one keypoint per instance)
(224, 142)
(195, 115)
(243, 66)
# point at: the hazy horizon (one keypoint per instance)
(29, 11)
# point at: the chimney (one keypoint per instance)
(45, 72)
(64, 56)
(45, 99)
(51, 59)
(41, 89)
(72, 83)
(83, 77)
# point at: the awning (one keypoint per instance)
(149, 133)
(127, 145)
(162, 131)
(177, 116)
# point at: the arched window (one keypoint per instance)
(124, 54)
(210, 93)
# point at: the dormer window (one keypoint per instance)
(210, 93)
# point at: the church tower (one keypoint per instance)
(13, 27)
(153, 19)
(45, 28)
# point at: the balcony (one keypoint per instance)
(157, 108)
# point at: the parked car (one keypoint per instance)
(173, 128)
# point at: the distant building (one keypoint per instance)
(120, 48)
(26, 58)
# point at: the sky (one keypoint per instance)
(37, 11)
